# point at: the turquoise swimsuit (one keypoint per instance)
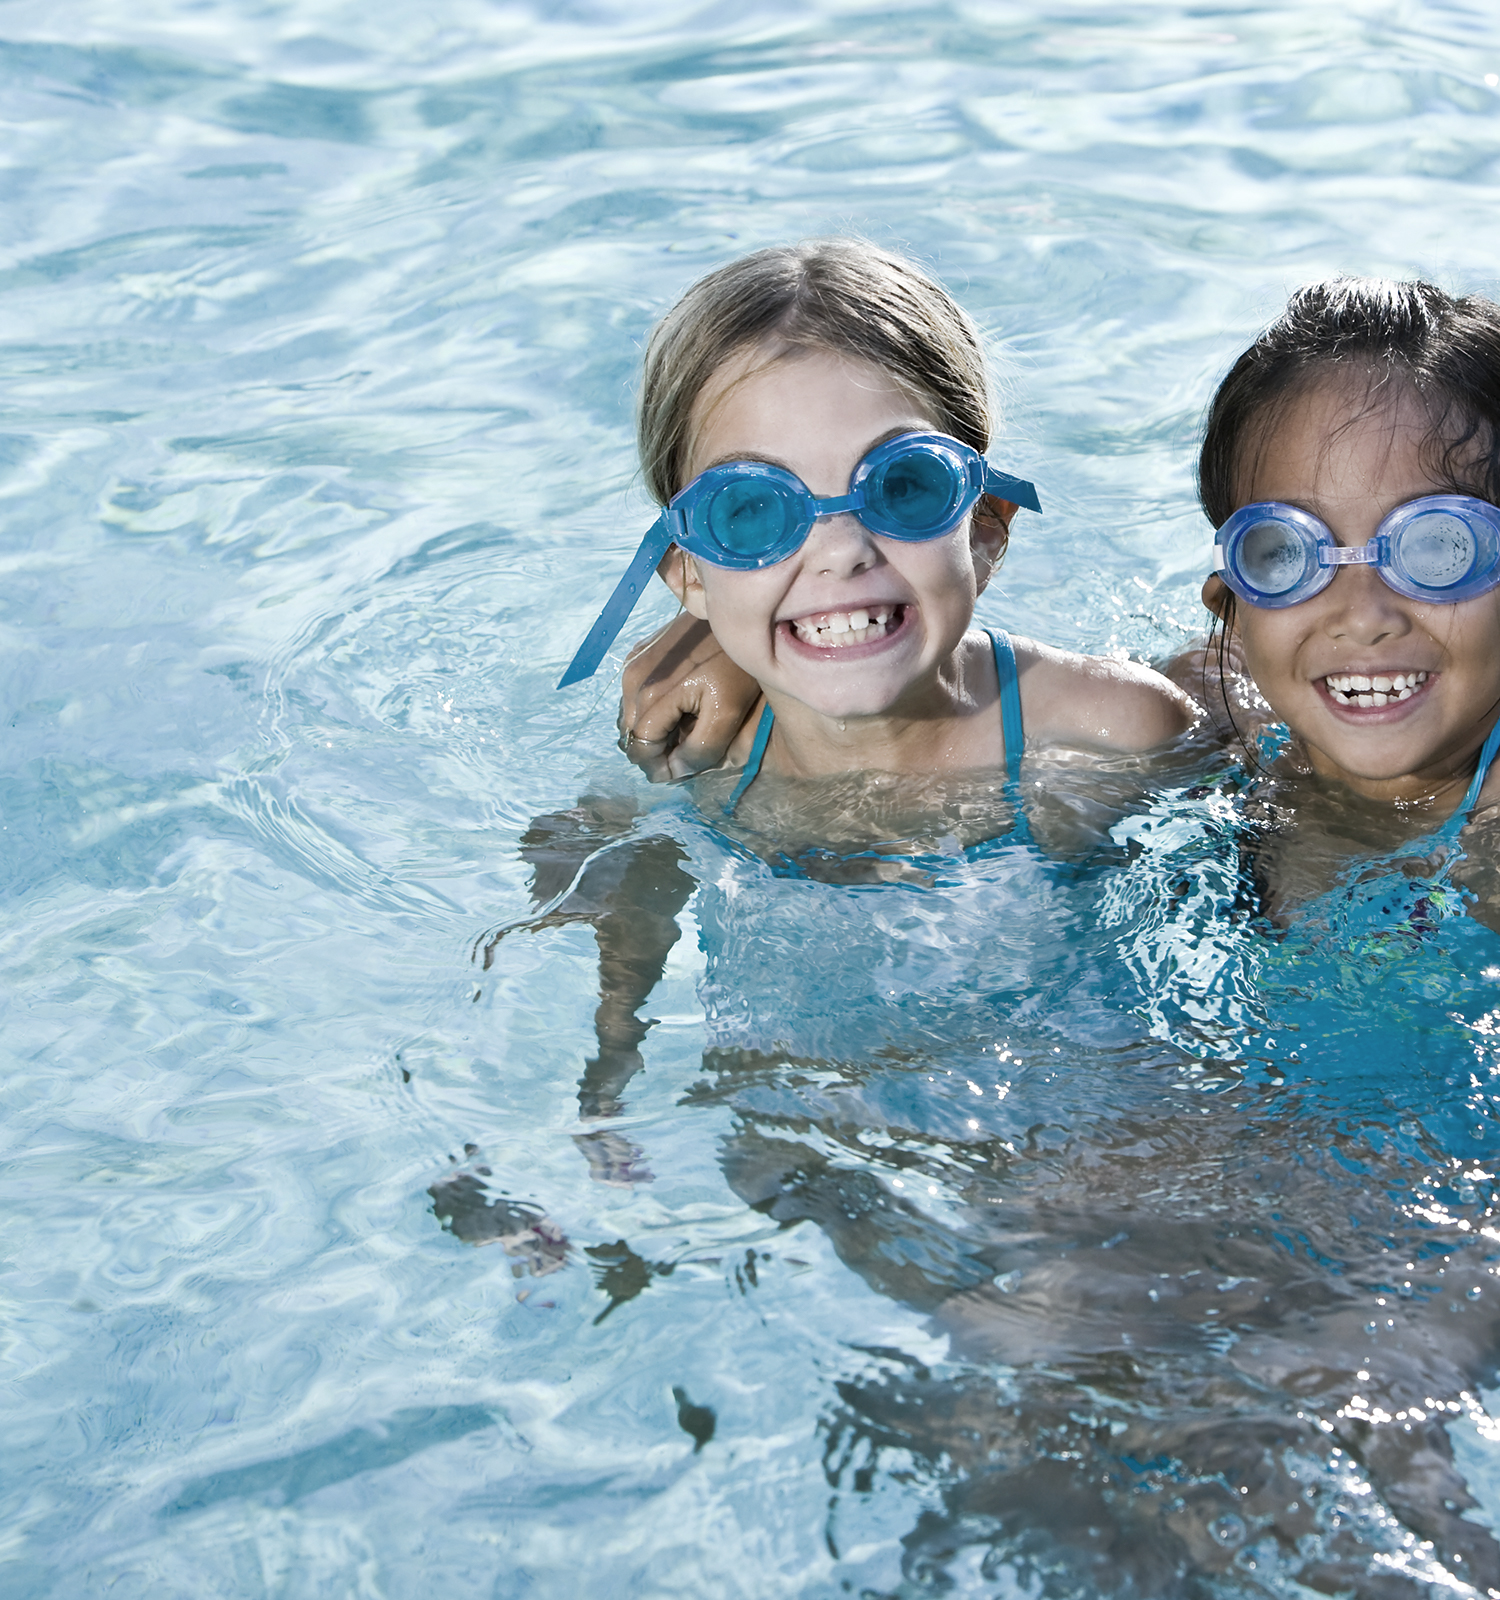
(1383, 894)
(1010, 723)
(1471, 797)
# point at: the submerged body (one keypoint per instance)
(1159, 1278)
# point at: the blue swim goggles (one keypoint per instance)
(1440, 549)
(750, 514)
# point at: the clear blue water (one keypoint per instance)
(1031, 1234)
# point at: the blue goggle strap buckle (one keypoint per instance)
(660, 536)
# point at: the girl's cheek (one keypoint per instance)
(1473, 626)
(1265, 659)
(737, 601)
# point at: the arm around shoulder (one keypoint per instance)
(683, 702)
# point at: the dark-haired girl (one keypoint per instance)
(1351, 466)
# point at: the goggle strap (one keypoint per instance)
(1016, 490)
(659, 539)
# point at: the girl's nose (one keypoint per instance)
(1363, 609)
(840, 546)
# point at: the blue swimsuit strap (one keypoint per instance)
(1010, 702)
(757, 755)
(1481, 772)
(1010, 722)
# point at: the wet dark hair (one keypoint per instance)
(1386, 335)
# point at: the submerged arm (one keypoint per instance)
(1478, 870)
(635, 935)
(587, 866)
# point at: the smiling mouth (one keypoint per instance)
(836, 630)
(1356, 689)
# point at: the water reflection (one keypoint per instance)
(1203, 1333)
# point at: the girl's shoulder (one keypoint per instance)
(1098, 702)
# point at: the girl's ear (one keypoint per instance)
(989, 534)
(679, 571)
(1218, 599)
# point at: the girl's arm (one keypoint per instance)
(592, 869)
(684, 702)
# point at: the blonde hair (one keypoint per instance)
(840, 295)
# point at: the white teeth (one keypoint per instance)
(840, 628)
(1356, 689)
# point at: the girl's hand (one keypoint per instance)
(682, 701)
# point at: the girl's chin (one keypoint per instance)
(852, 702)
(825, 701)
(1399, 770)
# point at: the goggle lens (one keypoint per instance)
(1272, 557)
(748, 516)
(1438, 550)
(916, 486)
(915, 492)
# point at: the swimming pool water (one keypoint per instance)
(1030, 1233)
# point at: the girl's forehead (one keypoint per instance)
(1343, 441)
(774, 399)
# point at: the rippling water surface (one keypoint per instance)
(1051, 1230)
